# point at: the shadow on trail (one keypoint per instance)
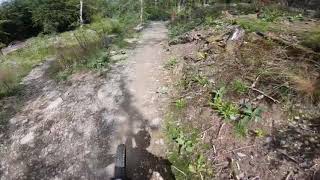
(141, 164)
(299, 142)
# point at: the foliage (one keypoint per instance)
(171, 63)
(25, 18)
(81, 48)
(312, 40)
(186, 152)
(226, 109)
(248, 114)
(239, 87)
(252, 25)
(202, 80)
(180, 103)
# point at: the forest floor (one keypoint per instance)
(238, 102)
(71, 129)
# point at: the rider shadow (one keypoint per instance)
(142, 164)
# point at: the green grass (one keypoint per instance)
(227, 110)
(312, 40)
(172, 62)
(181, 103)
(254, 25)
(239, 87)
(186, 151)
(78, 48)
(200, 79)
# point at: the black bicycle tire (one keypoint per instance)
(120, 163)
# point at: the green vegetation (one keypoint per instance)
(180, 103)
(171, 63)
(202, 80)
(241, 116)
(227, 110)
(254, 25)
(239, 87)
(312, 40)
(186, 152)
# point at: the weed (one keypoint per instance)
(63, 75)
(200, 167)
(180, 103)
(180, 28)
(248, 114)
(202, 56)
(202, 80)
(239, 87)
(98, 61)
(252, 25)
(186, 153)
(171, 63)
(271, 14)
(226, 109)
(260, 133)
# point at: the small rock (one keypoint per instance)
(268, 139)
(306, 164)
(312, 139)
(241, 155)
(260, 97)
(283, 142)
(112, 53)
(25, 121)
(55, 104)
(28, 138)
(119, 57)
(296, 118)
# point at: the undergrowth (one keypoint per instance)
(186, 151)
(239, 115)
(82, 48)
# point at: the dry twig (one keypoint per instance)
(266, 95)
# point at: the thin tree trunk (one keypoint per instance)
(81, 12)
(141, 11)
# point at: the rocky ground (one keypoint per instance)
(70, 130)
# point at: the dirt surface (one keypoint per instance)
(71, 130)
(289, 142)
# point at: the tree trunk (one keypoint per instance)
(141, 11)
(81, 12)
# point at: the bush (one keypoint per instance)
(154, 14)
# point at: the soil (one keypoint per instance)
(288, 147)
(71, 130)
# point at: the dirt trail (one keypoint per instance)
(71, 131)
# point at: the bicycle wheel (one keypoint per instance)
(120, 164)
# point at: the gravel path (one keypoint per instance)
(71, 131)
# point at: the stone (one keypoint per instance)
(241, 155)
(296, 118)
(27, 138)
(55, 104)
(269, 139)
(119, 57)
